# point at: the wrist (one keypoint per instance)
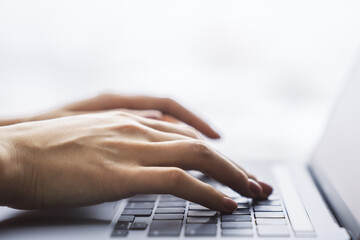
(7, 173)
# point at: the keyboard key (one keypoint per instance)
(241, 212)
(168, 216)
(200, 229)
(270, 221)
(165, 228)
(140, 205)
(143, 198)
(243, 205)
(122, 225)
(268, 209)
(119, 233)
(237, 232)
(138, 226)
(126, 218)
(201, 220)
(137, 212)
(229, 192)
(195, 213)
(233, 225)
(269, 215)
(268, 202)
(197, 207)
(273, 197)
(170, 198)
(171, 204)
(273, 231)
(242, 201)
(236, 218)
(170, 210)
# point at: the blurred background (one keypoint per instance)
(263, 73)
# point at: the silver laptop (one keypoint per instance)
(316, 201)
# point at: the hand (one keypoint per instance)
(94, 158)
(151, 107)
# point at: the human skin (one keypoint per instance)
(165, 109)
(88, 153)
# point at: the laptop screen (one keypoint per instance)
(336, 162)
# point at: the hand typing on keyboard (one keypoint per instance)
(104, 154)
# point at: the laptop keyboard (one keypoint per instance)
(167, 215)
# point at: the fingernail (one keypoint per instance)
(255, 187)
(229, 204)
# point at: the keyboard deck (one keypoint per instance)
(170, 216)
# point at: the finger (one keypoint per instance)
(180, 129)
(173, 108)
(155, 135)
(165, 105)
(152, 114)
(135, 129)
(267, 189)
(179, 183)
(168, 118)
(198, 155)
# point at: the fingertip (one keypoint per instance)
(267, 189)
(228, 204)
(213, 134)
(255, 188)
(217, 135)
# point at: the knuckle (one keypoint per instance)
(168, 102)
(167, 99)
(241, 178)
(201, 148)
(250, 175)
(175, 176)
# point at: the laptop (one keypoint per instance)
(319, 200)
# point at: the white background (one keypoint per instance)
(264, 73)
